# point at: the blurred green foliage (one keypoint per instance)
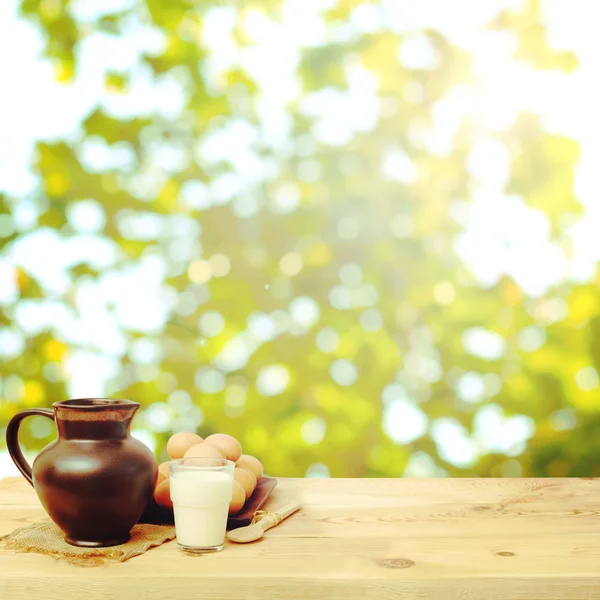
(303, 212)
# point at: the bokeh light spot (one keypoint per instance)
(304, 311)
(313, 431)
(180, 401)
(444, 293)
(220, 265)
(587, 379)
(343, 372)
(158, 417)
(262, 326)
(286, 198)
(200, 271)
(272, 380)
(348, 228)
(317, 471)
(351, 275)
(328, 340)
(401, 226)
(532, 338)
(12, 343)
(371, 320)
(484, 343)
(145, 351)
(86, 216)
(209, 380)
(403, 421)
(291, 264)
(471, 387)
(211, 323)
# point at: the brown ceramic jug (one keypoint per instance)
(95, 480)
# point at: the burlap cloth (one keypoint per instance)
(46, 538)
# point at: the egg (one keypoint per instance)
(163, 469)
(238, 498)
(203, 450)
(252, 464)
(162, 494)
(246, 479)
(227, 444)
(181, 442)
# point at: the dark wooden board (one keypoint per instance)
(162, 516)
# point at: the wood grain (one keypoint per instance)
(382, 539)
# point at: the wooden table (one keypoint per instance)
(441, 539)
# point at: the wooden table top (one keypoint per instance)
(380, 539)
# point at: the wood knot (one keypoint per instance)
(396, 563)
(505, 553)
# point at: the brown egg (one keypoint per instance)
(203, 450)
(252, 464)
(227, 444)
(162, 494)
(238, 499)
(181, 442)
(247, 479)
(163, 469)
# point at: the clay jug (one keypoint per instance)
(95, 480)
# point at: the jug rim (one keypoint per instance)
(96, 404)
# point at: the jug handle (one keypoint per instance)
(12, 438)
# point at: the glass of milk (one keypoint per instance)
(201, 490)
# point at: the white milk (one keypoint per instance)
(201, 505)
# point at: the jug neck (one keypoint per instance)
(94, 419)
(92, 430)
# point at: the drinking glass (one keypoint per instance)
(201, 490)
